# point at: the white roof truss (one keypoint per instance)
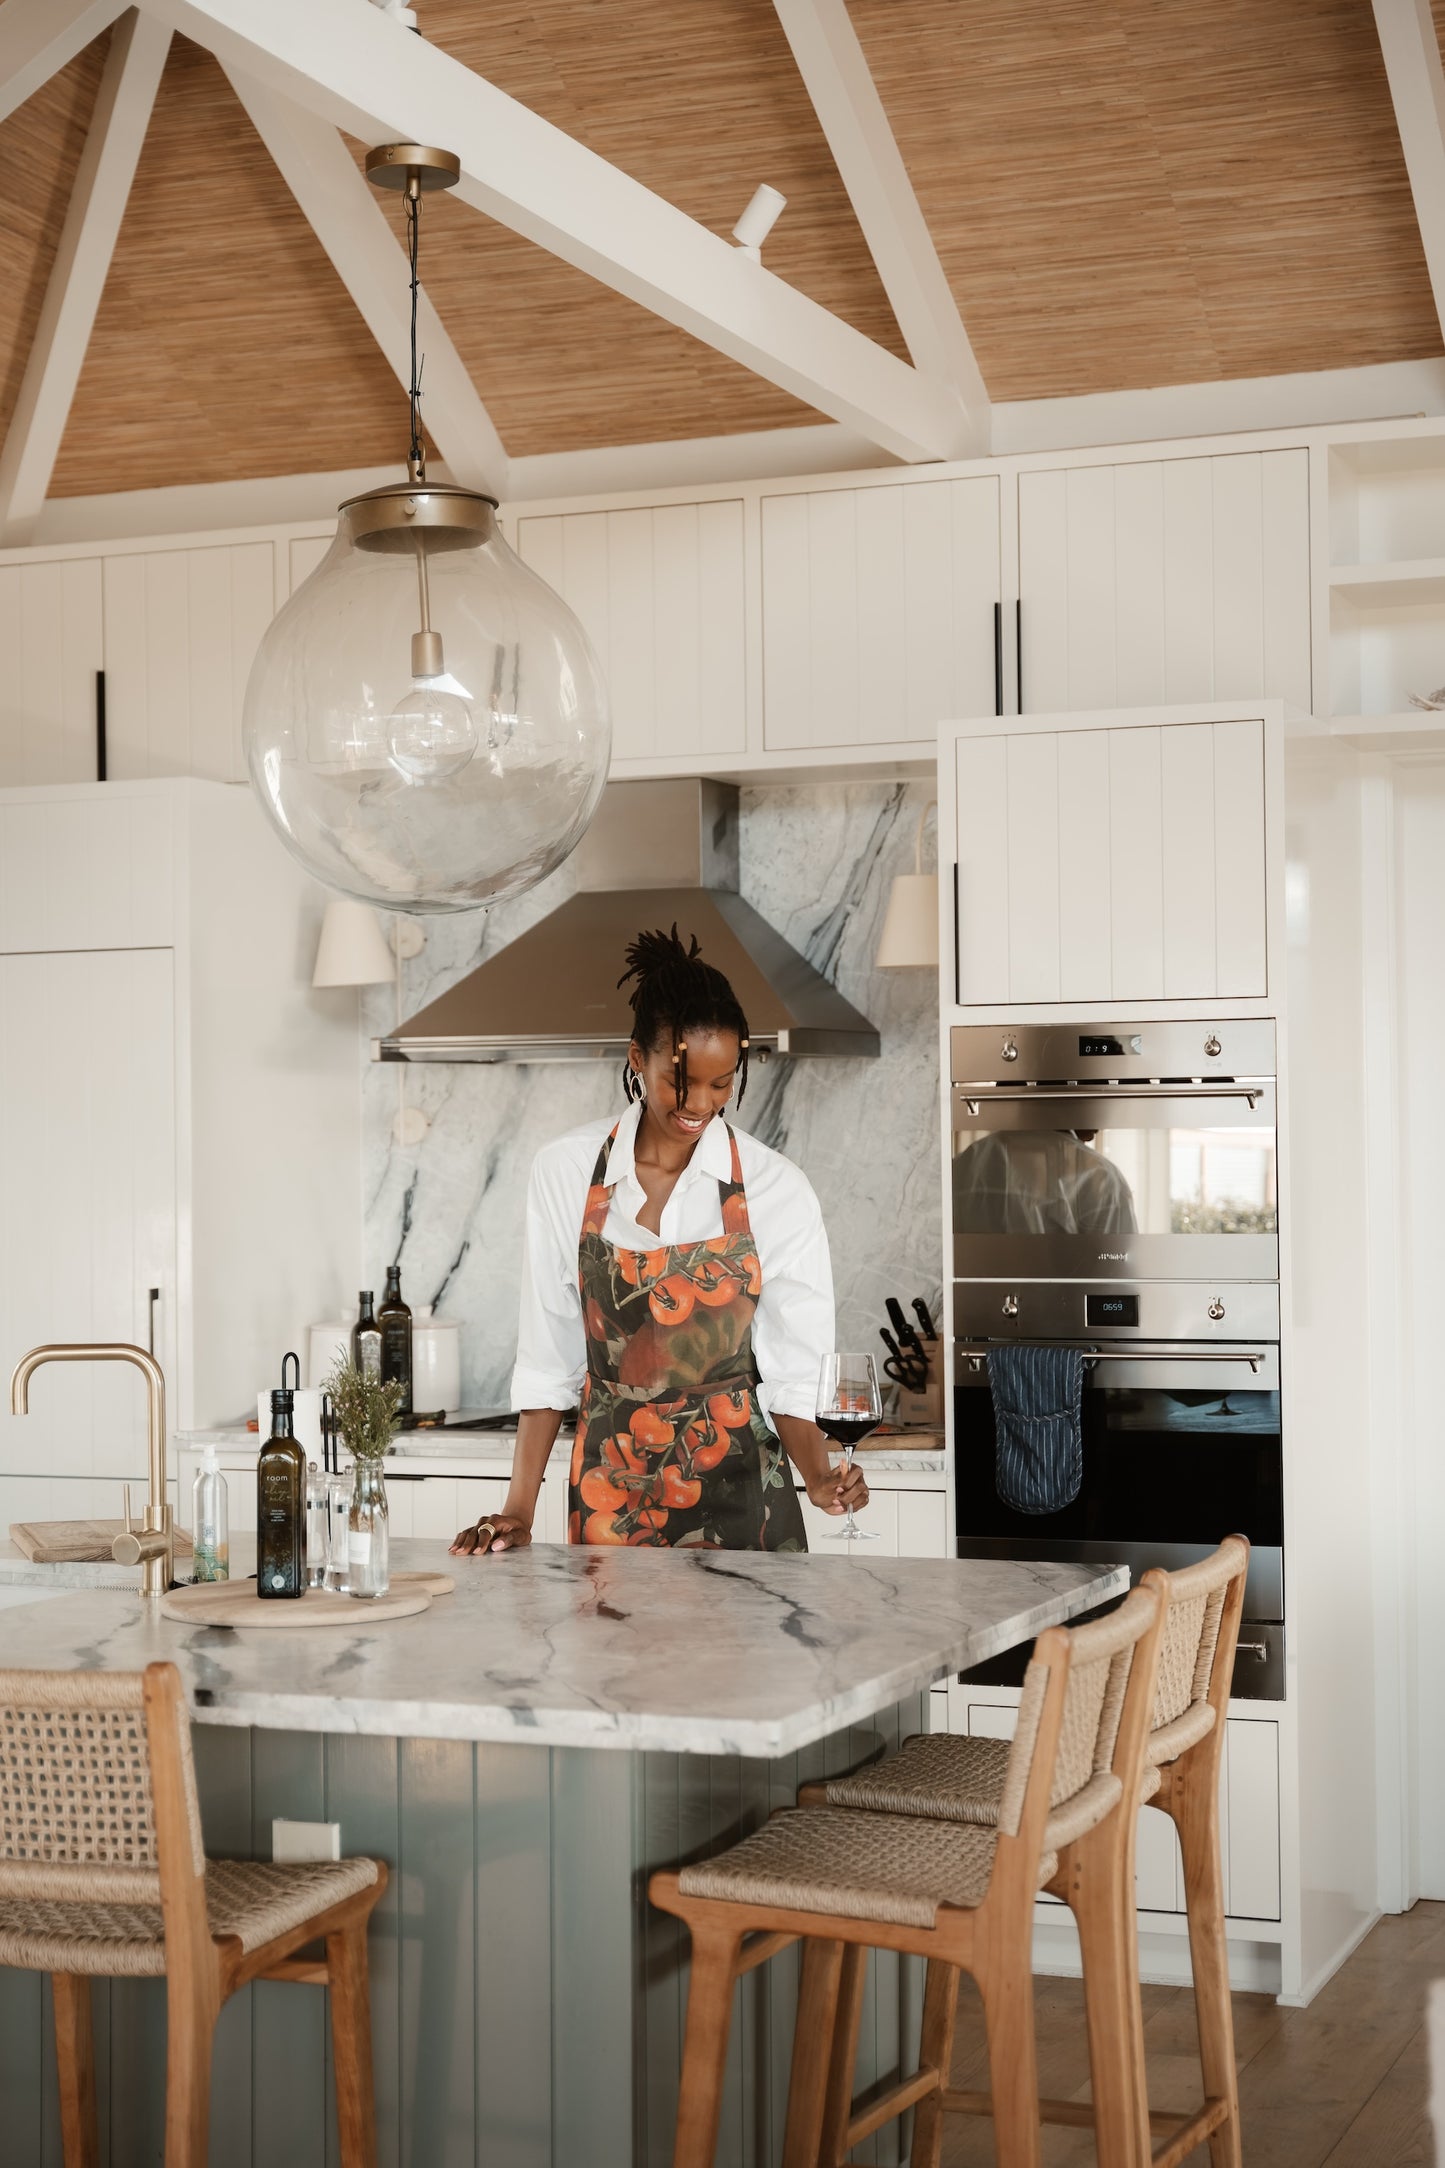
(348, 221)
(127, 92)
(364, 72)
(1417, 86)
(39, 37)
(850, 111)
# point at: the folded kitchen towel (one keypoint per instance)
(1038, 1426)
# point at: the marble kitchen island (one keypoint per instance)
(521, 1755)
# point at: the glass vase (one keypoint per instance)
(368, 1534)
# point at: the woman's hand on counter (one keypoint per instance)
(493, 1532)
(838, 1489)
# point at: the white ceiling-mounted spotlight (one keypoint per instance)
(758, 221)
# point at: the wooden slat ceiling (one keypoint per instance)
(1157, 191)
(1124, 193)
(40, 149)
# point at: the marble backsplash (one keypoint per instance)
(818, 862)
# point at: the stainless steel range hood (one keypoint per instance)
(656, 854)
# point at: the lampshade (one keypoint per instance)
(910, 926)
(352, 950)
(430, 769)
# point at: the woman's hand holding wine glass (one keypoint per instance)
(849, 1406)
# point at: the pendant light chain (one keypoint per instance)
(417, 454)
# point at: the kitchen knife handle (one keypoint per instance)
(896, 1318)
(925, 1318)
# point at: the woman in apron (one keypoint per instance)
(676, 1290)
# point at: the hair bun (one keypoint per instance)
(655, 952)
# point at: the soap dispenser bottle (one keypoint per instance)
(281, 1499)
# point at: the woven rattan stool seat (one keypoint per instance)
(254, 1900)
(897, 1868)
(946, 1776)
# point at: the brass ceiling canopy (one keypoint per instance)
(412, 168)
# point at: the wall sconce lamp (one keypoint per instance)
(910, 924)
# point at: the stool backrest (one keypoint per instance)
(97, 1786)
(1204, 1604)
(1083, 1719)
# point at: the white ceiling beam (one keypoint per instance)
(39, 37)
(1417, 86)
(123, 104)
(348, 221)
(348, 61)
(845, 98)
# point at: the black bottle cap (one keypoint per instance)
(283, 1400)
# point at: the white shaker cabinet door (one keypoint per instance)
(181, 632)
(1112, 865)
(659, 590)
(88, 1197)
(1165, 580)
(51, 646)
(878, 611)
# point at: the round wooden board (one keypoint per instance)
(236, 1603)
(435, 1584)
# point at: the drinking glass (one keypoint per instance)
(849, 1406)
(338, 1515)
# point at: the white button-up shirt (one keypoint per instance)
(793, 1323)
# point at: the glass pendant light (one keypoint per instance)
(425, 722)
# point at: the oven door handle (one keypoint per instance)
(977, 1353)
(1026, 1094)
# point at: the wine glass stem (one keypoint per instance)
(849, 1524)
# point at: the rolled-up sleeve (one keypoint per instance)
(551, 1345)
(794, 1324)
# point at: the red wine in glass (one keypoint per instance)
(849, 1406)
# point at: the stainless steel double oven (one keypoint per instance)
(1115, 1189)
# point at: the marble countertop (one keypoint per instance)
(735, 1652)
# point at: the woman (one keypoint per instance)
(676, 1289)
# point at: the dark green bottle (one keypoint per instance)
(394, 1318)
(281, 1506)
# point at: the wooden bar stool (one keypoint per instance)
(103, 1874)
(961, 1895)
(944, 1777)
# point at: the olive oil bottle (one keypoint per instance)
(366, 1338)
(281, 1505)
(394, 1319)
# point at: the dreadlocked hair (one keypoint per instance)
(673, 993)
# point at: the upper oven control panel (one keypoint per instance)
(1060, 1053)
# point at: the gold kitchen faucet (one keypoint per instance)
(152, 1545)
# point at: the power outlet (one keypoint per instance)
(294, 1841)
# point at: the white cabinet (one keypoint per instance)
(181, 631)
(660, 592)
(1248, 1811)
(1111, 864)
(879, 609)
(88, 1183)
(51, 647)
(1165, 580)
(178, 1109)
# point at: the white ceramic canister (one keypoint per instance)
(323, 1344)
(305, 1420)
(436, 1363)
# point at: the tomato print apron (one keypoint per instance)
(672, 1447)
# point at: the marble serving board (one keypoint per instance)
(733, 1652)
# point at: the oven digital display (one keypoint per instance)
(1110, 1043)
(1111, 1310)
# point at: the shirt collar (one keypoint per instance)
(713, 1154)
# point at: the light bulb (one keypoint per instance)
(431, 732)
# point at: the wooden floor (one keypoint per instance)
(1342, 2084)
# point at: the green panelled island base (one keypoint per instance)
(527, 2001)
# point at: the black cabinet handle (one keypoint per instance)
(998, 658)
(1019, 650)
(154, 1295)
(100, 726)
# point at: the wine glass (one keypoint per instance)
(849, 1406)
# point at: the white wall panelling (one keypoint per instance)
(181, 631)
(89, 870)
(878, 610)
(659, 589)
(51, 645)
(1164, 581)
(1122, 863)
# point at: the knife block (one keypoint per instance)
(927, 1406)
